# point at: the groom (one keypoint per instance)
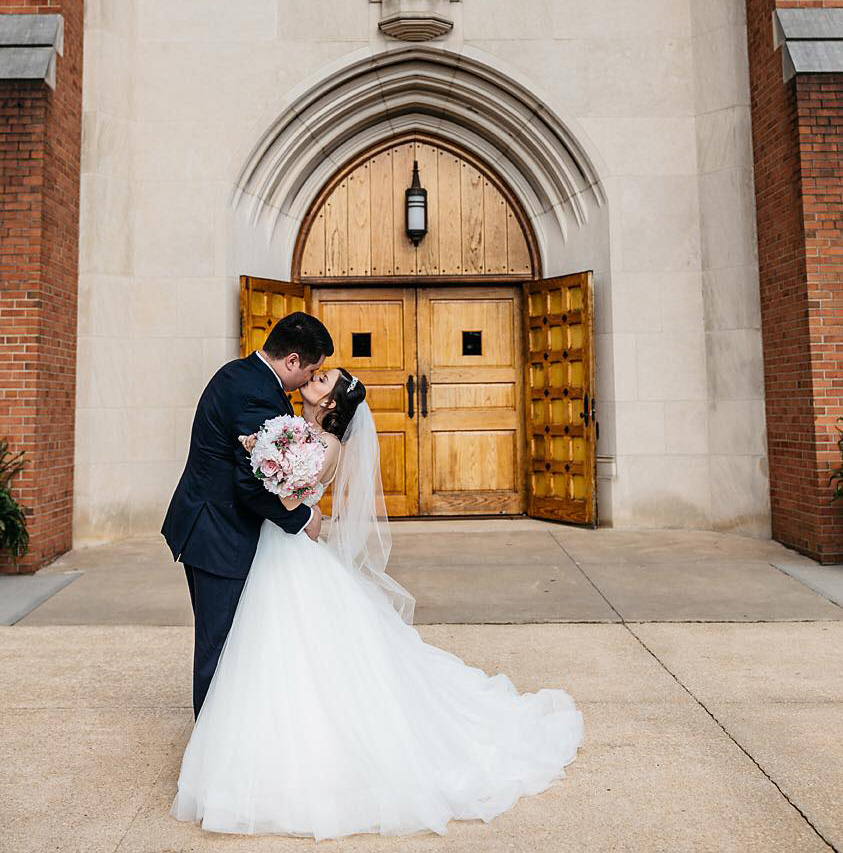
(214, 519)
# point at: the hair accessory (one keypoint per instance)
(352, 383)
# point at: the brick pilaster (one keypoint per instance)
(40, 142)
(797, 134)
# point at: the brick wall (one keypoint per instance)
(40, 137)
(819, 100)
(798, 144)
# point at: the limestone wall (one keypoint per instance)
(177, 95)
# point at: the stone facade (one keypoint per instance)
(643, 107)
(656, 97)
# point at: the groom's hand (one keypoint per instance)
(313, 526)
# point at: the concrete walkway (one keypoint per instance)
(710, 682)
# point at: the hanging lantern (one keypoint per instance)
(416, 207)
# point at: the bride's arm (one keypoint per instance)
(329, 465)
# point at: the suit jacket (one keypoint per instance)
(217, 509)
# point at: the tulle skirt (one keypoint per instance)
(328, 715)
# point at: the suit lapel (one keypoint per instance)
(288, 405)
(267, 372)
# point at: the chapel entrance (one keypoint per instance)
(480, 373)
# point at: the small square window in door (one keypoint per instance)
(361, 344)
(472, 343)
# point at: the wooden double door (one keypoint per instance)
(445, 370)
(442, 369)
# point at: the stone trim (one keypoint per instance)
(424, 89)
(28, 47)
(811, 40)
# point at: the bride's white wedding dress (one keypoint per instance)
(328, 715)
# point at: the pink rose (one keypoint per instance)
(268, 467)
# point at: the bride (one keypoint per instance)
(327, 714)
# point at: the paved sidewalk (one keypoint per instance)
(710, 682)
(494, 571)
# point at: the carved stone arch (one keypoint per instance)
(374, 99)
(476, 225)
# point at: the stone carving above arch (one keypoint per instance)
(356, 226)
(415, 20)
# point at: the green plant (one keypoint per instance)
(13, 533)
(837, 473)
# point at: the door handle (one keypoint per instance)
(411, 396)
(423, 390)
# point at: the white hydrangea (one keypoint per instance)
(288, 457)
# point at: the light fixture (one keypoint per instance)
(416, 207)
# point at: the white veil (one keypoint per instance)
(359, 531)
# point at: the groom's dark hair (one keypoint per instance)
(301, 333)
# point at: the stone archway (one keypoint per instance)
(426, 90)
(460, 101)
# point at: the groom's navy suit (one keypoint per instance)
(214, 519)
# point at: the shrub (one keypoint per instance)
(837, 473)
(13, 533)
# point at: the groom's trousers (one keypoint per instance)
(214, 600)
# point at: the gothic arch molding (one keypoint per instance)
(427, 90)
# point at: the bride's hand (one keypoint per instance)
(313, 526)
(248, 441)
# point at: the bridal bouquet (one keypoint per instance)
(287, 456)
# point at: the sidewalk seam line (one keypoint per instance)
(594, 586)
(818, 592)
(627, 626)
(731, 737)
(150, 789)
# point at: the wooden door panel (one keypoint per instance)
(393, 449)
(470, 442)
(499, 396)
(560, 399)
(474, 461)
(470, 374)
(493, 318)
(450, 215)
(471, 419)
(263, 302)
(383, 257)
(382, 319)
(387, 321)
(336, 231)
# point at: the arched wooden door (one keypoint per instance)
(480, 374)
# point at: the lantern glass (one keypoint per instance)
(415, 214)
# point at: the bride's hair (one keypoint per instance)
(336, 420)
